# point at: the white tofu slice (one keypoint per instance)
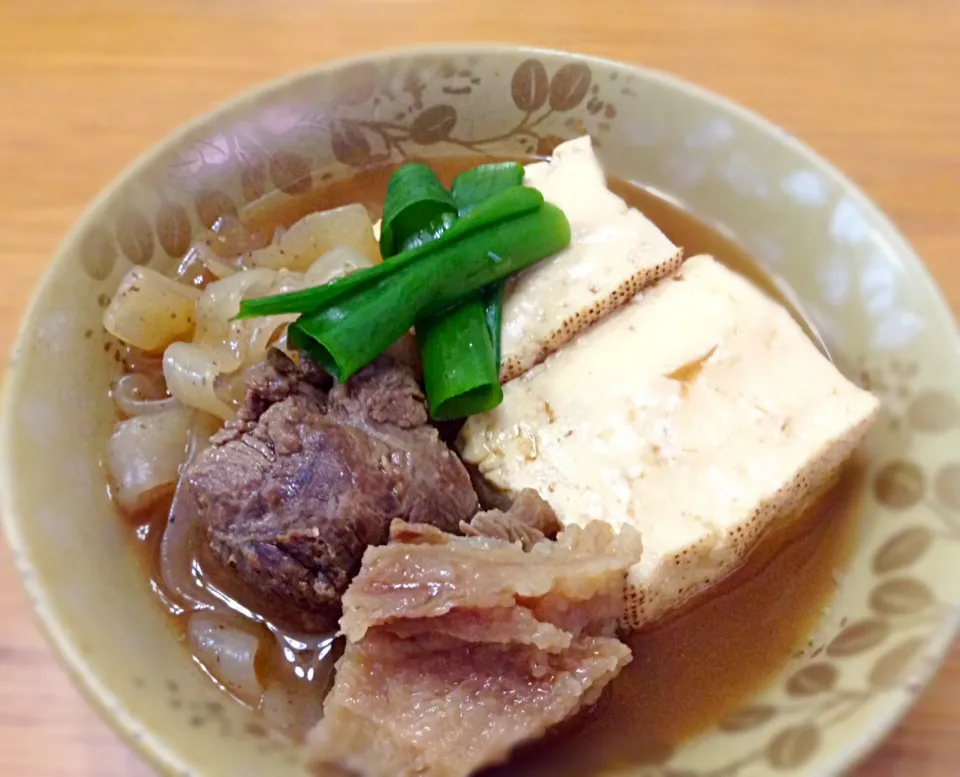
(697, 413)
(615, 251)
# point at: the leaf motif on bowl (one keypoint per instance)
(135, 237)
(812, 680)
(889, 669)
(903, 549)
(899, 485)
(901, 596)
(253, 179)
(172, 225)
(212, 205)
(569, 86)
(434, 125)
(350, 145)
(858, 638)
(793, 747)
(290, 173)
(530, 86)
(98, 253)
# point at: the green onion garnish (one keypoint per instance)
(480, 184)
(460, 350)
(493, 314)
(417, 209)
(353, 331)
(506, 205)
(470, 189)
(460, 369)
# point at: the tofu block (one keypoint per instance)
(615, 251)
(697, 413)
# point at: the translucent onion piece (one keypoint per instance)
(219, 268)
(231, 238)
(135, 394)
(191, 372)
(305, 665)
(183, 535)
(227, 652)
(263, 332)
(199, 263)
(144, 455)
(293, 706)
(335, 264)
(149, 364)
(316, 234)
(150, 310)
(196, 372)
(220, 302)
(249, 339)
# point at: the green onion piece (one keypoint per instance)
(416, 202)
(355, 330)
(506, 205)
(480, 184)
(431, 232)
(470, 189)
(459, 368)
(457, 348)
(493, 314)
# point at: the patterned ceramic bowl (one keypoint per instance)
(855, 277)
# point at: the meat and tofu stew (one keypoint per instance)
(473, 455)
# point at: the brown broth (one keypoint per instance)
(688, 671)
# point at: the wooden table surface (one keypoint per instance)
(86, 86)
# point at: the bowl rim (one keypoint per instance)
(66, 652)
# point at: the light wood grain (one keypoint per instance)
(84, 87)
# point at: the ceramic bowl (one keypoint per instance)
(858, 281)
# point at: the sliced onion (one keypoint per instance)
(293, 706)
(135, 394)
(293, 702)
(149, 364)
(231, 238)
(220, 303)
(219, 268)
(192, 371)
(183, 534)
(226, 652)
(144, 455)
(316, 234)
(334, 264)
(150, 310)
(199, 264)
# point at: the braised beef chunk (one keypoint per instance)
(277, 378)
(295, 489)
(514, 642)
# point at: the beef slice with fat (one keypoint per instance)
(461, 648)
